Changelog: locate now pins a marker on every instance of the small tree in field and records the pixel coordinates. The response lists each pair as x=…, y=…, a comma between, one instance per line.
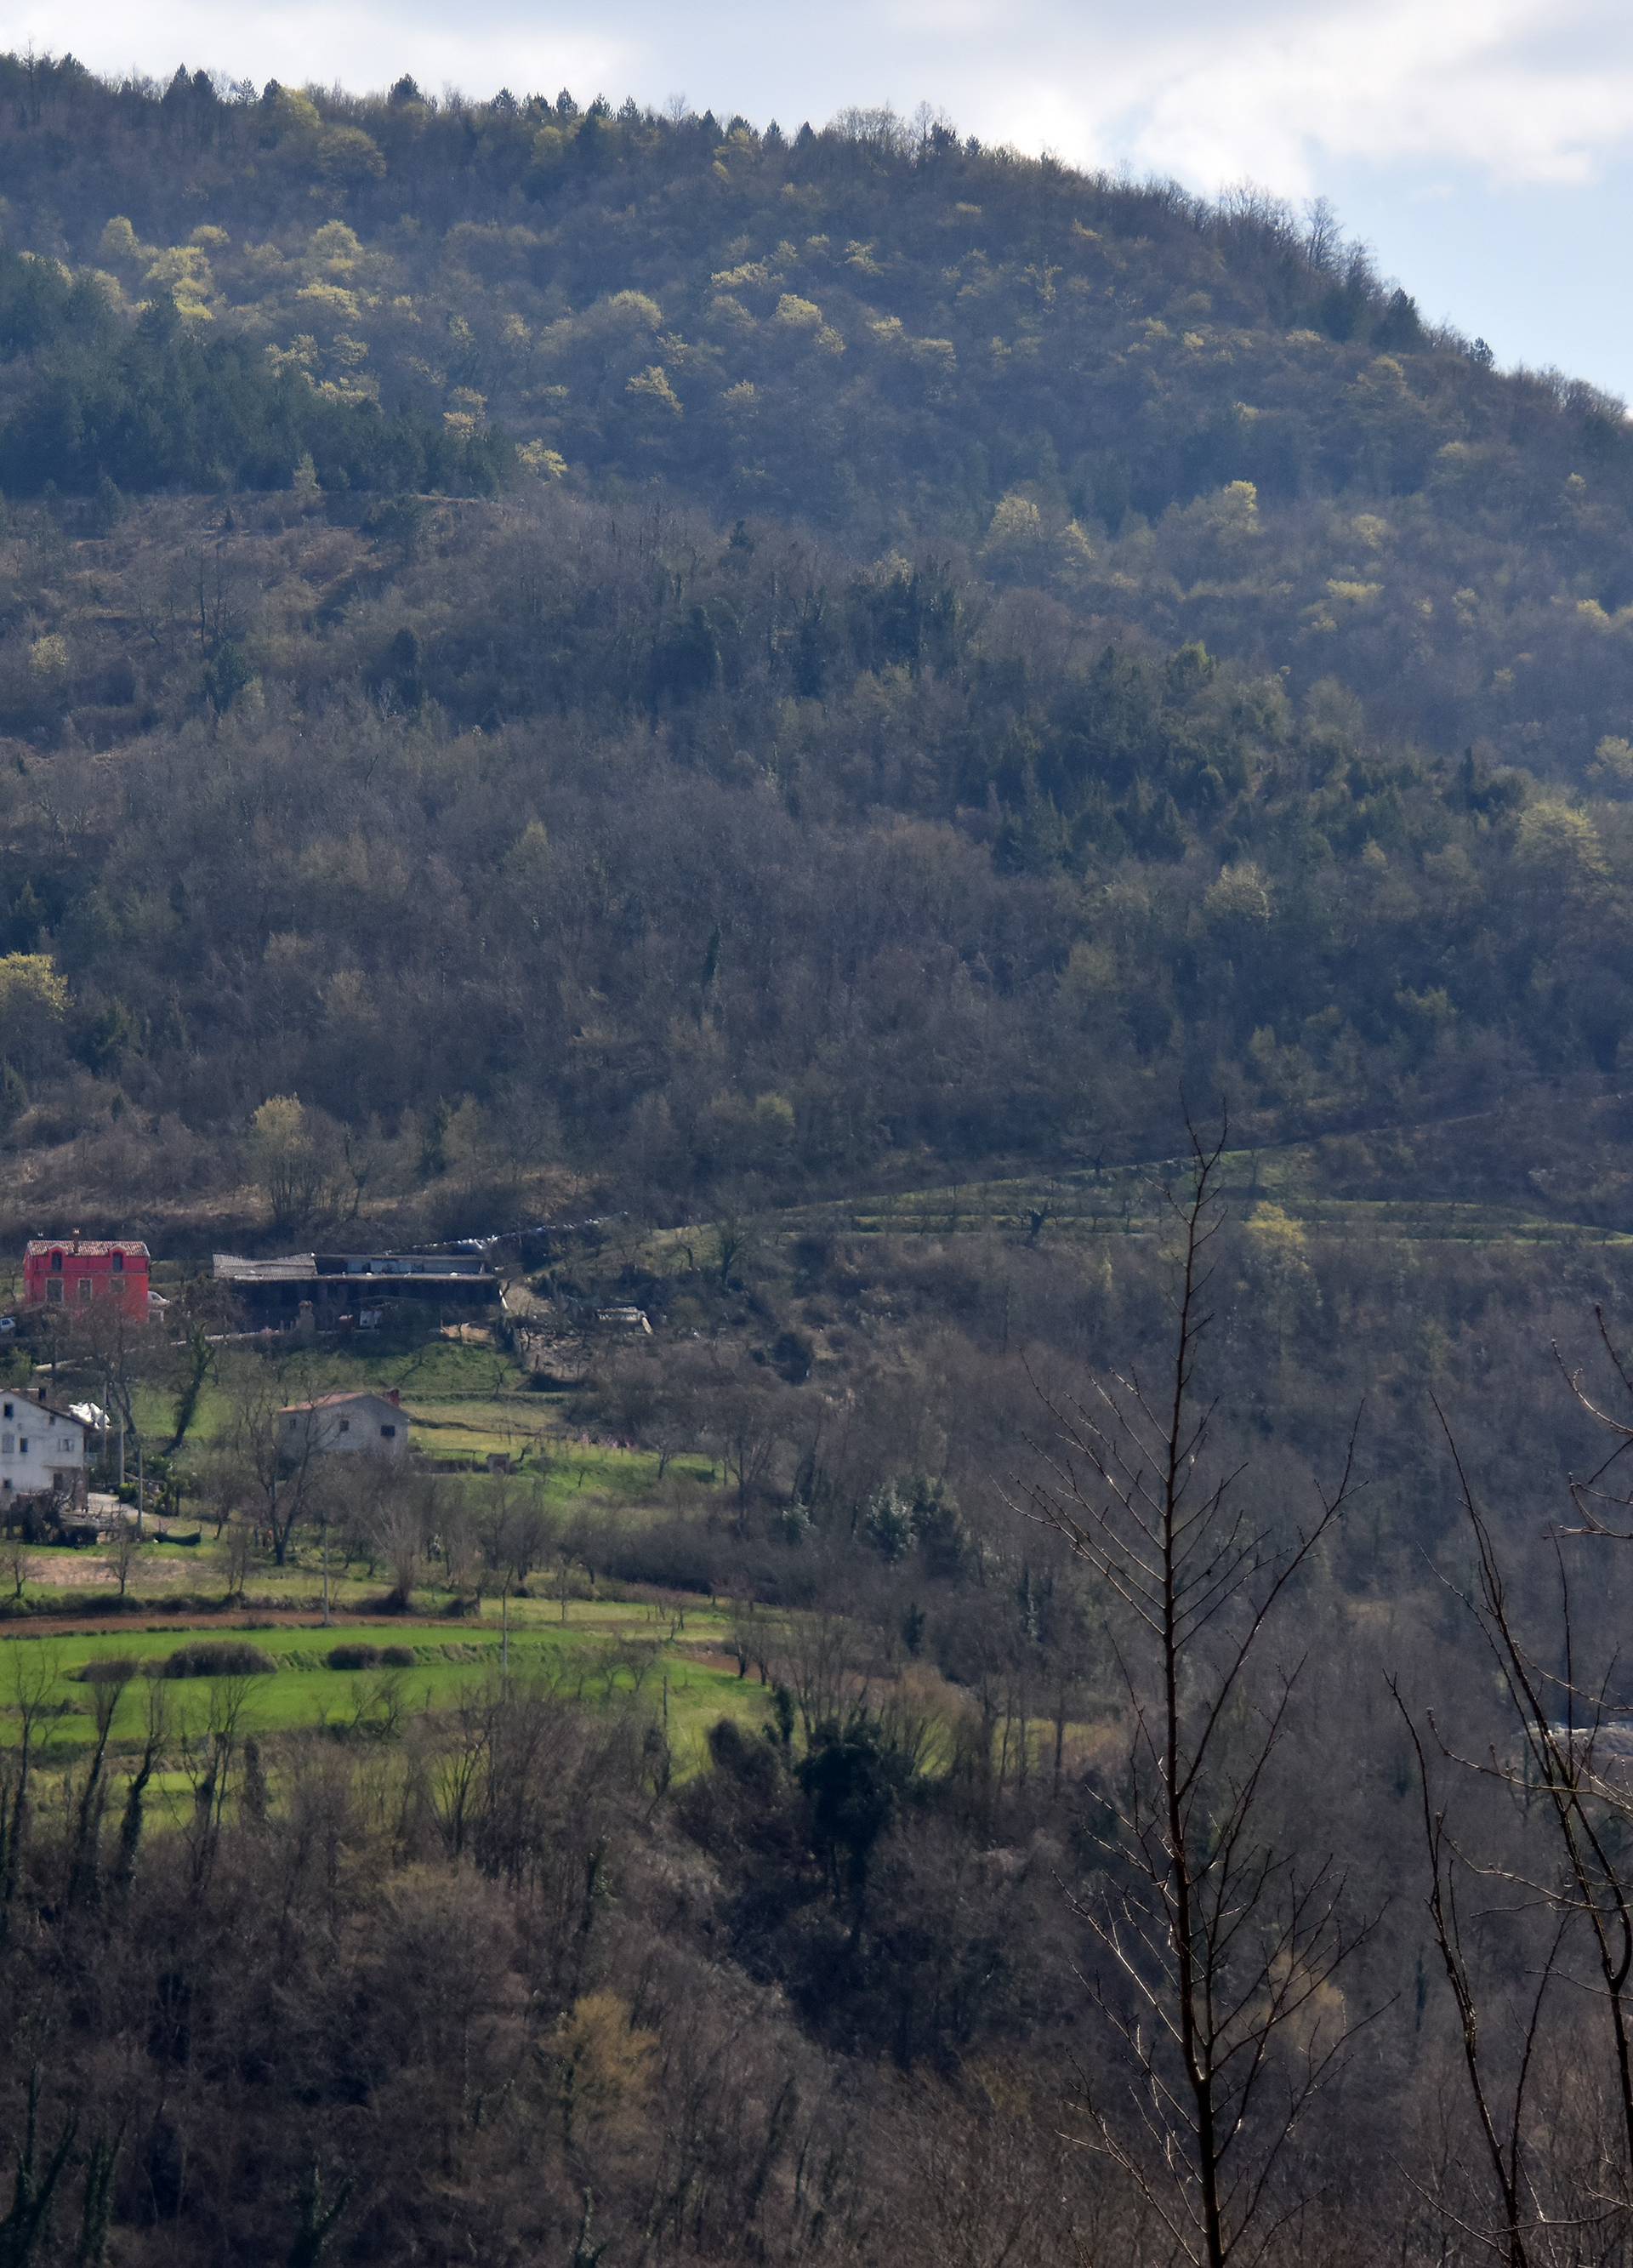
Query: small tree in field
x=275, y=1467
x=237, y=1556
x=16, y=1562
x=124, y=1548
x=402, y=1523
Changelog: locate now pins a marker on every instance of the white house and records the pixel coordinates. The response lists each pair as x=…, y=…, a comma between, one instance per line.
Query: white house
x=350, y=1425
x=43, y=1452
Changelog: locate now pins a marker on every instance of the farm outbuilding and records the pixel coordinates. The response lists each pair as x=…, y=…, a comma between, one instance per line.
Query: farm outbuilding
x=344, y=1425
x=439, y=1287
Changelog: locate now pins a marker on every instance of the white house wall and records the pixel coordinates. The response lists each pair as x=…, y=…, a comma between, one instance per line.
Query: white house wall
x=40, y=1449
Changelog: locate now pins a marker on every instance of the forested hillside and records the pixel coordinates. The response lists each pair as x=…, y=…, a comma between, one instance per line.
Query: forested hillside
x=709, y=652
x=793, y=717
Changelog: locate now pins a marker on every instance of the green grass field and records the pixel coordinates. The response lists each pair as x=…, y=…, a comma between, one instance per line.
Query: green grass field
x=593, y=1659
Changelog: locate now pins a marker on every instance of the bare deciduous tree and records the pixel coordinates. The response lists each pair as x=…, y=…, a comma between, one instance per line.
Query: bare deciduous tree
x=124, y=1548
x=107, y=1679
x=277, y=1463
x=1217, y=1948
x=18, y=1562
x=402, y=1522
x=33, y=1673
x=1561, y=1760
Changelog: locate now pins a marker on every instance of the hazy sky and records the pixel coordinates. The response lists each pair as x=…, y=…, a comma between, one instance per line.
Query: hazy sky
x=1483, y=147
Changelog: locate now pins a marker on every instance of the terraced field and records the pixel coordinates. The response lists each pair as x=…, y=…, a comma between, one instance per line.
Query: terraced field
x=1125, y=1201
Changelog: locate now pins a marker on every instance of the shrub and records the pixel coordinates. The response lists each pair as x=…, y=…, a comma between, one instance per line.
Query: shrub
x=397, y=1657
x=226, y=1658
x=353, y=1656
x=115, y=1670
x=679, y=1554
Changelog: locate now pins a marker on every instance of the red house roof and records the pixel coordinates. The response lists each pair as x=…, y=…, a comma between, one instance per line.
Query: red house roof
x=91, y=1247
x=337, y=1400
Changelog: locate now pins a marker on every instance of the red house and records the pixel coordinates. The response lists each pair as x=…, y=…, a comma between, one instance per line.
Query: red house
x=72, y=1271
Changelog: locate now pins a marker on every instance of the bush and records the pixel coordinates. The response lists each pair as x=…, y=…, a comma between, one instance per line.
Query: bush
x=117, y=1670
x=397, y=1657
x=677, y=1554
x=226, y=1658
x=353, y=1656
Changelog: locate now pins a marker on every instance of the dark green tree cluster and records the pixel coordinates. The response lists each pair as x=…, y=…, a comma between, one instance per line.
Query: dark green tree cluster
x=152, y=405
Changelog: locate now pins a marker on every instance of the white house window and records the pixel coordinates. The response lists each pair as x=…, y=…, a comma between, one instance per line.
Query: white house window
x=345, y=1425
x=22, y=1444
x=8, y=1444
x=389, y=1432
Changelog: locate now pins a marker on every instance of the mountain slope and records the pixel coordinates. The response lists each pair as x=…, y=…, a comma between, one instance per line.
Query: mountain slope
x=895, y=337
x=701, y=655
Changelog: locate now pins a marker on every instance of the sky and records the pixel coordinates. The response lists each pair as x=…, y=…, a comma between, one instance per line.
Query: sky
x=1483, y=148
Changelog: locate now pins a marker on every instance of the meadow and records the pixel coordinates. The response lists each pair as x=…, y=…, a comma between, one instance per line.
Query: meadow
x=321, y=1679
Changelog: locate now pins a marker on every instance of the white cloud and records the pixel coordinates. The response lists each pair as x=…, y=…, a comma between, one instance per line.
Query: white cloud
x=1527, y=90
x=1460, y=82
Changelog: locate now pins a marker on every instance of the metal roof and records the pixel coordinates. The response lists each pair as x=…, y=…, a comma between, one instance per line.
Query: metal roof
x=296, y=1268
x=359, y=1267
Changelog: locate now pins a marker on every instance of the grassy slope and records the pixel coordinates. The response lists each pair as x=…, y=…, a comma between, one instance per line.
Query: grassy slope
x=464, y=1403
x=1081, y=1202
x=595, y=1655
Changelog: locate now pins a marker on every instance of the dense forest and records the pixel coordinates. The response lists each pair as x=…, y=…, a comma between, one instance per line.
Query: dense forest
x=806, y=718
x=794, y=654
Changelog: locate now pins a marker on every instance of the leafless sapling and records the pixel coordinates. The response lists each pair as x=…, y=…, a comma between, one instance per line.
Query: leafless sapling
x=1216, y=1946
